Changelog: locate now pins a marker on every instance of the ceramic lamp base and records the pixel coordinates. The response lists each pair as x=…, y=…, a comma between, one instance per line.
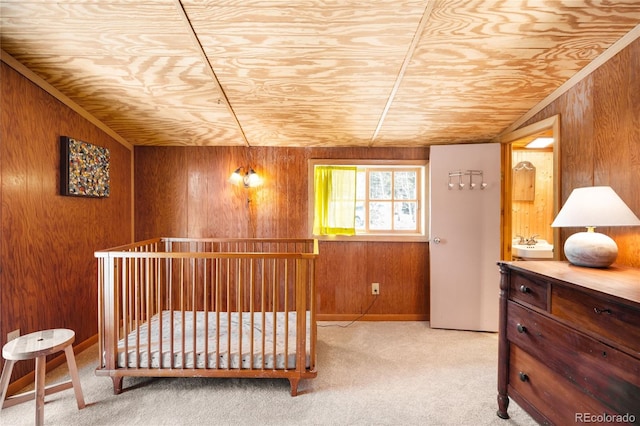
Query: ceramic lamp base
x=591, y=249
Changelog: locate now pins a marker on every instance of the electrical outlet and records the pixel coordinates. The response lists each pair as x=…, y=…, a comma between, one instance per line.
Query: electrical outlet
x=375, y=288
x=13, y=335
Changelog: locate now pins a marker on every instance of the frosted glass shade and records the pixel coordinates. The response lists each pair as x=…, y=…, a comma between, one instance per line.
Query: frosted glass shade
x=250, y=180
x=236, y=177
x=591, y=207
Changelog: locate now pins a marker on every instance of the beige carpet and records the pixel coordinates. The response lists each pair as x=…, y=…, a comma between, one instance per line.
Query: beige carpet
x=369, y=373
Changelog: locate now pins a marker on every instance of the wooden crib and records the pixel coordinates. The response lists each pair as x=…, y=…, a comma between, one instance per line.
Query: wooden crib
x=180, y=307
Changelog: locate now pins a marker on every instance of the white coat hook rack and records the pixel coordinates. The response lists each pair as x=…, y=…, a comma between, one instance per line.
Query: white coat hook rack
x=471, y=173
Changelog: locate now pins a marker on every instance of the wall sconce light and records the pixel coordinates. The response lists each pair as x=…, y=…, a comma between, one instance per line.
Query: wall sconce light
x=249, y=180
x=590, y=207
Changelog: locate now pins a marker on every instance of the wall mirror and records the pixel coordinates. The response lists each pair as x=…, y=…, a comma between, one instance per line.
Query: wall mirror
x=531, y=189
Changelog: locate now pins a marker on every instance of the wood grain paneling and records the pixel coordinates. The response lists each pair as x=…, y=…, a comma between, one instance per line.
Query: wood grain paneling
x=48, y=272
x=601, y=140
x=184, y=191
x=312, y=73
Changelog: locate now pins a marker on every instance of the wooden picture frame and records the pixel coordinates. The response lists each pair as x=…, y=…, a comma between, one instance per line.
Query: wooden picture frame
x=84, y=169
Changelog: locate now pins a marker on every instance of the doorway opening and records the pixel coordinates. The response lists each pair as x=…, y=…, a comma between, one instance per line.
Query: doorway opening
x=530, y=187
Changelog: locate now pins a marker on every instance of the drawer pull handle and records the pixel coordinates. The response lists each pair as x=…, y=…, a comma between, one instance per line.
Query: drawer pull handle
x=521, y=328
x=523, y=377
x=602, y=311
x=525, y=289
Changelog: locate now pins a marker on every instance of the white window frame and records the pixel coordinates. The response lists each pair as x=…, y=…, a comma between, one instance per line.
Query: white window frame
x=399, y=236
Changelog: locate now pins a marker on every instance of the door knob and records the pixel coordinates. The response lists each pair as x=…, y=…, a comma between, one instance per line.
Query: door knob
x=436, y=240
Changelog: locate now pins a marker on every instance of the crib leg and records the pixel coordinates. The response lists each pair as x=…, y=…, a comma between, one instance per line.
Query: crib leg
x=293, y=381
x=117, y=384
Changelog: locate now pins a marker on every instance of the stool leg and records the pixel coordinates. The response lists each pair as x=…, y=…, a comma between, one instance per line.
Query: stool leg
x=41, y=363
x=4, y=380
x=75, y=378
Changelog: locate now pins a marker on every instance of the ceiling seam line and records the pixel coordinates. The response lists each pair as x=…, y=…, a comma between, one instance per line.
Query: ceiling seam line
x=405, y=64
x=216, y=81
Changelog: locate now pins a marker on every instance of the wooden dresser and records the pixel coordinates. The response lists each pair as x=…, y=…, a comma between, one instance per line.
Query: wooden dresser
x=569, y=345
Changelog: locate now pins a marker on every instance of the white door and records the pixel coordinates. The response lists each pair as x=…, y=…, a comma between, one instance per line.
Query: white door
x=465, y=236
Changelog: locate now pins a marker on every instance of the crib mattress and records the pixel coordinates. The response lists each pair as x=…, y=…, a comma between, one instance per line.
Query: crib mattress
x=165, y=351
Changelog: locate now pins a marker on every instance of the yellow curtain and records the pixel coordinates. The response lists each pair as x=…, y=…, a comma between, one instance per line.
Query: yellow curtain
x=335, y=200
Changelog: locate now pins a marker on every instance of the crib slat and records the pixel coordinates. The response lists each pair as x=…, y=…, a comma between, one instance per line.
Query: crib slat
x=148, y=303
x=171, y=289
x=205, y=308
x=286, y=314
x=137, y=297
x=182, y=313
x=274, y=311
x=192, y=302
x=159, y=310
x=217, y=290
x=251, y=313
x=239, y=291
x=230, y=306
x=128, y=305
x=263, y=305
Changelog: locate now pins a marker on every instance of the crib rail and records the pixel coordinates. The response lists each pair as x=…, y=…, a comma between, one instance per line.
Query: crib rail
x=253, y=280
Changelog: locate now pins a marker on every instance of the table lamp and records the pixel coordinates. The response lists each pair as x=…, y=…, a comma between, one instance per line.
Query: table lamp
x=591, y=207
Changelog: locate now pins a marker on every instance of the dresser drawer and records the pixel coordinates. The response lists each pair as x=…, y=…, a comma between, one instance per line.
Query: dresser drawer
x=591, y=365
x=529, y=290
x=606, y=318
x=553, y=396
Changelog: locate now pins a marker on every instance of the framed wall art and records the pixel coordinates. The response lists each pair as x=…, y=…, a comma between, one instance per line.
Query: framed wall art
x=84, y=169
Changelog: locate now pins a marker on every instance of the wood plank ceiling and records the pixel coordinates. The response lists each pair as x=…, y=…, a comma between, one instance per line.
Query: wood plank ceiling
x=310, y=72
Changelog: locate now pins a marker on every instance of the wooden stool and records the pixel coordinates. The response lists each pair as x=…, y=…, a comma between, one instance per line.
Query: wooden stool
x=38, y=345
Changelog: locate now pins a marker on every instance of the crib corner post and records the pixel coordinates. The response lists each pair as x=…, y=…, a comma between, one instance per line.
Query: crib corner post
x=293, y=382
x=117, y=384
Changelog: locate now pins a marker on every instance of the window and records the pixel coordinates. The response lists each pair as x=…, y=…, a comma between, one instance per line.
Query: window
x=390, y=200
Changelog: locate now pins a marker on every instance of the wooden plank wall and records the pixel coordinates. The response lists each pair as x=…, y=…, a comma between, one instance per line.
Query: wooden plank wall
x=47, y=268
x=184, y=192
x=600, y=140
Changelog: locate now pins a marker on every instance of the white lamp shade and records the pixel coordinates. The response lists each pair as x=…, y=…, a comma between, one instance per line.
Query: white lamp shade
x=595, y=206
x=591, y=207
